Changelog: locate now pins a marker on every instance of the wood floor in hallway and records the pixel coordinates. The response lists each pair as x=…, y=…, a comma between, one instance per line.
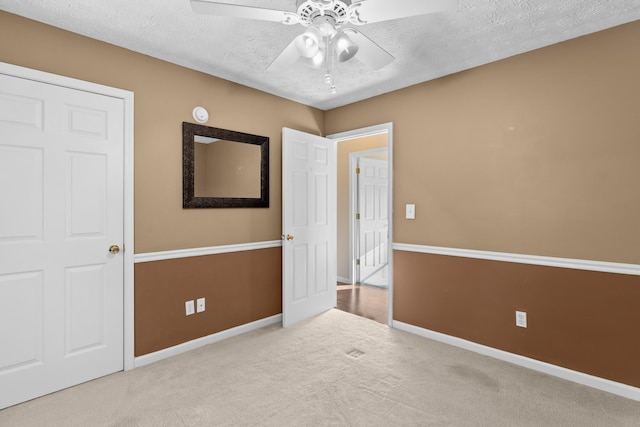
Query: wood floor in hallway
x=366, y=301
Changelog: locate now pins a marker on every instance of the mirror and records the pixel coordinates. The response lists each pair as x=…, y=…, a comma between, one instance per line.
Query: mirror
x=224, y=169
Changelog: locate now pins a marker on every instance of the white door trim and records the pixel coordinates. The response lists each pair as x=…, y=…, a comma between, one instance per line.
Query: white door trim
x=368, y=131
x=127, y=98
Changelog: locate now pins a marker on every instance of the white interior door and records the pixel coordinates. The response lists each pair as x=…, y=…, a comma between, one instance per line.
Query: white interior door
x=61, y=194
x=308, y=225
x=373, y=199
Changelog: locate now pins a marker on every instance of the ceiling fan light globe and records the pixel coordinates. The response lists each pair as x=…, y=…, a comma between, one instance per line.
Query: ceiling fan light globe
x=308, y=43
x=345, y=47
x=318, y=60
x=327, y=27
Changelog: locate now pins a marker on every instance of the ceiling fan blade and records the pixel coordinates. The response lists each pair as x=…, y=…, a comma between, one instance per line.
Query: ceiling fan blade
x=369, y=52
x=368, y=11
x=289, y=55
x=245, y=12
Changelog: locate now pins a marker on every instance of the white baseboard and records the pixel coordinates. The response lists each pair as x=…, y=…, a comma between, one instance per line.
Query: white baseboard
x=344, y=280
x=209, y=339
x=577, y=377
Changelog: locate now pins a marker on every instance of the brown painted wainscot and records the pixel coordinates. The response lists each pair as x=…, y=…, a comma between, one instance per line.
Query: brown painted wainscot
x=586, y=321
x=235, y=295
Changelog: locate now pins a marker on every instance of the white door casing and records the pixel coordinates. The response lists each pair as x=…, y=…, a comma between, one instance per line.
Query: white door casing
x=308, y=225
x=359, y=133
x=61, y=186
x=373, y=224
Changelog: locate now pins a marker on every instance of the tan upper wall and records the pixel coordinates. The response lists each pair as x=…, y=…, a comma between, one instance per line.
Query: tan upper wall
x=165, y=95
x=535, y=154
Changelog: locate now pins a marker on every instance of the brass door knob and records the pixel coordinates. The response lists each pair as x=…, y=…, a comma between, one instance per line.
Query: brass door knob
x=290, y=237
x=114, y=249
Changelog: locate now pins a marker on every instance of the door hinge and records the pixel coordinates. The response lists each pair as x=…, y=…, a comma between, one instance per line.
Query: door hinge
x=357, y=170
x=357, y=262
x=357, y=216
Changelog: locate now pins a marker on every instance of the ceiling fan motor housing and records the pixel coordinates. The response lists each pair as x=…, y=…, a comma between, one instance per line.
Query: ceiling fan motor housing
x=310, y=10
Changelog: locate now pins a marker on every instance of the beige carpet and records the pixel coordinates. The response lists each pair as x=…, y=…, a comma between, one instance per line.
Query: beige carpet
x=336, y=369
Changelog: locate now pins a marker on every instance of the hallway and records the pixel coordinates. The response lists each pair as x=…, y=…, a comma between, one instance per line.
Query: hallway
x=366, y=301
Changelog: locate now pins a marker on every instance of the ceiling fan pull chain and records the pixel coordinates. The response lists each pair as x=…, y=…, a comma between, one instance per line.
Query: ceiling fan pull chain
x=329, y=62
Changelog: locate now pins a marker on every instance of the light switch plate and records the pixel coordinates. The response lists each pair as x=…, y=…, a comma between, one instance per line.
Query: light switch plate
x=200, y=305
x=411, y=211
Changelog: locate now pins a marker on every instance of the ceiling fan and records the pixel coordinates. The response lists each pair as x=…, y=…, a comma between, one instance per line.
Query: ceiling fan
x=329, y=37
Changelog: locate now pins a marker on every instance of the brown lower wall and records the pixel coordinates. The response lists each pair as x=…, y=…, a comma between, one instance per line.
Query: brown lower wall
x=581, y=320
x=239, y=287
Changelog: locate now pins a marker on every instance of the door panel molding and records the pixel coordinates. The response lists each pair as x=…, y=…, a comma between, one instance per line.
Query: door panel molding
x=127, y=98
x=309, y=224
x=371, y=229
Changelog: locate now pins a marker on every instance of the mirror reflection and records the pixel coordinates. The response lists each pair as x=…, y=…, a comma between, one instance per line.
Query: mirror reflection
x=224, y=168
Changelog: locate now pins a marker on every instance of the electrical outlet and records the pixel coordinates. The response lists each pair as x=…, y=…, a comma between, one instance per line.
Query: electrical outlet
x=189, y=308
x=521, y=319
x=200, y=305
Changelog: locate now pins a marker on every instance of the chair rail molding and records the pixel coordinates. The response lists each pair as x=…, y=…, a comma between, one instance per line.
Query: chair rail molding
x=210, y=250
x=578, y=264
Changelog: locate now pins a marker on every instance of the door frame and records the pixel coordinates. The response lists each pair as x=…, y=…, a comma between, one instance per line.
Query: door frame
x=128, y=214
x=368, y=131
x=354, y=227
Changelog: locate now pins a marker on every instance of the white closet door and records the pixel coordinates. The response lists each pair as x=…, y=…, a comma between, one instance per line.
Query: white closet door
x=61, y=195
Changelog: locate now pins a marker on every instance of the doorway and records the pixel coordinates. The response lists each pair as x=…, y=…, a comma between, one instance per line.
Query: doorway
x=365, y=293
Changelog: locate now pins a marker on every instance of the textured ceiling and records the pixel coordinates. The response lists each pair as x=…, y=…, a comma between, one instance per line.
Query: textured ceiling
x=425, y=47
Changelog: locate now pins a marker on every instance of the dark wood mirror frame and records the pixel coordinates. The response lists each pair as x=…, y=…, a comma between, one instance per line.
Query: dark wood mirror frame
x=189, y=132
